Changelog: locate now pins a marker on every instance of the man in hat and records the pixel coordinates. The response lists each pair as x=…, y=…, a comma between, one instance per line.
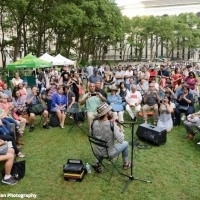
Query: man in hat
x=92, y=100
x=101, y=129
x=95, y=78
x=133, y=99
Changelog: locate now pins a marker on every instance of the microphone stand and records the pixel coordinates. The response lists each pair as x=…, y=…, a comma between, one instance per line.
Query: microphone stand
x=131, y=177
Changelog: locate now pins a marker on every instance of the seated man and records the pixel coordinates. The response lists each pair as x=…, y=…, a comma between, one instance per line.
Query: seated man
x=8, y=159
x=133, y=99
x=92, y=100
x=31, y=100
x=151, y=99
x=101, y=129
x=70, y=97
x=193, y=120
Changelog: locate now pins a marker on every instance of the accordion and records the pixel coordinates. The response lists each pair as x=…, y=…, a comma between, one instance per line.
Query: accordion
x=74, y=170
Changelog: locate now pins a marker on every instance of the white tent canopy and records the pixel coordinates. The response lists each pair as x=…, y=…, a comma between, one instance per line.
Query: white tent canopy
x=66, y=60
x=53, y=60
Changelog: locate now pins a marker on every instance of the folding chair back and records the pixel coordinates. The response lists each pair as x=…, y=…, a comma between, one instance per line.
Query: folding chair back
x=103, y=144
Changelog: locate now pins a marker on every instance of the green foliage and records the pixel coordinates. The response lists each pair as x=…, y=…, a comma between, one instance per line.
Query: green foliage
x=84, y=27
x=82, y=63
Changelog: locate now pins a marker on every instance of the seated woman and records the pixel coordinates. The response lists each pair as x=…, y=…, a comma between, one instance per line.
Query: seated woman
x=7, y=91
x=8, y=159
x=16, y=80
x=51, y=88
x=165, y=118
x=116, y=102
x=59, y=102
x=19, y=104
x=193, y=120
x=14, y=146
x=123, y=92
x=22, y=90
x=185, y=104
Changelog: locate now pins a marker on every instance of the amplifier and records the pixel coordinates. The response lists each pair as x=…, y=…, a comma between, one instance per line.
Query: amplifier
x=74, y=170
x=154, y=134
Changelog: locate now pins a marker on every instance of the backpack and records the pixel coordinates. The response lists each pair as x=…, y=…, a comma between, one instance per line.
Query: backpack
x=111, y=126
x=54, y=121
x=79, y=117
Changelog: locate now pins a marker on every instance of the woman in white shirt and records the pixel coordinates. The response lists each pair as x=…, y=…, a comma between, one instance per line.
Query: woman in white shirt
x=16, y=80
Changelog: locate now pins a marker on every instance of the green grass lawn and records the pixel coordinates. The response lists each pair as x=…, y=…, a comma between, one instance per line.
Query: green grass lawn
x=173, y=168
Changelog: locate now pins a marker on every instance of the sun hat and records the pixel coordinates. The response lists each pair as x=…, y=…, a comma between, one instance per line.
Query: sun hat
x=113, y=87
x=102, y=109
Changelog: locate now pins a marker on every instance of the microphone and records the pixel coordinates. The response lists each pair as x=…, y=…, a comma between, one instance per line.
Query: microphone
x=117, y=121
x=122, y=123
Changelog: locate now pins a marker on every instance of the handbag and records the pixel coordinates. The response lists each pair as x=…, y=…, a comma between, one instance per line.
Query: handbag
x=37, y=109
x=15, y=115
x=183, y=107
x=4, y=148
x=117, y=107
x=18, y=170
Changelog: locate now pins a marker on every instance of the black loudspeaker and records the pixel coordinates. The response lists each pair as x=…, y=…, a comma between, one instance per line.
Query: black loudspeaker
x=154, y=134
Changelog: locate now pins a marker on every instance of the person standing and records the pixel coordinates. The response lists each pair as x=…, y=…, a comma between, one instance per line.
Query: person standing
x=95, y=78
x=128, y=74
x=119, y=75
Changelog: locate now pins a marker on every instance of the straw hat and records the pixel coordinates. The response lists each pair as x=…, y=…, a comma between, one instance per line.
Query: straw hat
x=103, y=109
x=113, y=87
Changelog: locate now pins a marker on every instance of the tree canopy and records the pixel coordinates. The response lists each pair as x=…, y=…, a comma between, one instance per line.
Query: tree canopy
x=81, y=29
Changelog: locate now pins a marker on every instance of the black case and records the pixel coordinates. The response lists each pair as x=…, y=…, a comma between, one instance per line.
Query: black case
x=151, y=133
x=74, y=170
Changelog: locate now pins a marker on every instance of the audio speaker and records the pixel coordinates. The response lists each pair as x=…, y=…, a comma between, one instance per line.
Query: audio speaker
x=154, y=134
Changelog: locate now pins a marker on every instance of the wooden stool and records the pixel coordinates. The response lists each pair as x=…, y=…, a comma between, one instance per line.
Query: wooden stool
x=149, y=113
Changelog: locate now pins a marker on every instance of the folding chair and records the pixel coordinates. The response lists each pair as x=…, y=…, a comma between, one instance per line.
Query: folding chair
x=197, y=131
x=103, y=144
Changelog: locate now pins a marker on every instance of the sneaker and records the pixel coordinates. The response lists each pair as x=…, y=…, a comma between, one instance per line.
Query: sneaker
x=31, y=129
x=46, y=126
x=10, y=181
x=198, y=142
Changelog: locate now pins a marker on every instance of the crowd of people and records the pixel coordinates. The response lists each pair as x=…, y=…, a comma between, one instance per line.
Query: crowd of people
x=170, y=95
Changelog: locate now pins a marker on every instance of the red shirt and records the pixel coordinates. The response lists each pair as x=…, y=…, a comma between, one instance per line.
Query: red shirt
x=175, y=77
x=153, y=74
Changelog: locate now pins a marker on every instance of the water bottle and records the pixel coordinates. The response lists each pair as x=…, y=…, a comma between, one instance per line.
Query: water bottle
x=88, y=168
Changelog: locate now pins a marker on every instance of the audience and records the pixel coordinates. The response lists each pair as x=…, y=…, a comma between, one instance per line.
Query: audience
x=32, y=100
x=185, y=104
x=58, y=105
x=115, y=101
x=92, y=100
x=151, y=99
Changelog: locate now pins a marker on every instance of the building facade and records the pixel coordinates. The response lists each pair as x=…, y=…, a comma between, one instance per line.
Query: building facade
x=156, y=8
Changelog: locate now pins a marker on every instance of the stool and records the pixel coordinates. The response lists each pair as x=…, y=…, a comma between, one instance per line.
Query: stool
x=149, y=113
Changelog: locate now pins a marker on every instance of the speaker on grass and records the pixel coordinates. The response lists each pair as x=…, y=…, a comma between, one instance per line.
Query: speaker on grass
x=153, y=134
